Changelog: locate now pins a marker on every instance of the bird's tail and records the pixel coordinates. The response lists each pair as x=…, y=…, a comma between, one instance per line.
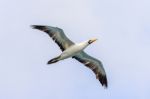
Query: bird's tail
x=54, y=60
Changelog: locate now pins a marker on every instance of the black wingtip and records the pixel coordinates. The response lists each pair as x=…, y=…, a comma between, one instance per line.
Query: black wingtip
x=33, y=26
x=103, y=80
x=37, y=27
x=40, y=27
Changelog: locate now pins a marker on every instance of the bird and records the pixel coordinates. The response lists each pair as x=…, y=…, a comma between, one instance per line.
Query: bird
x=75, y=50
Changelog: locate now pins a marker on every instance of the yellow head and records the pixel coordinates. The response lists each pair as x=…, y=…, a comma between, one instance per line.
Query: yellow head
x=92, y=40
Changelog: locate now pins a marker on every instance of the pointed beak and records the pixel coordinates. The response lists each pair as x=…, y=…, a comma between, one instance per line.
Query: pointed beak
x=93, y=40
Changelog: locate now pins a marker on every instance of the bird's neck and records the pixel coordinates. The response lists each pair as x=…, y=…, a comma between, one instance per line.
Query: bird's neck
x=84, y=44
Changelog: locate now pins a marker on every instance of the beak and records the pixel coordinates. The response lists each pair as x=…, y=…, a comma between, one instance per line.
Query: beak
x=93, y=40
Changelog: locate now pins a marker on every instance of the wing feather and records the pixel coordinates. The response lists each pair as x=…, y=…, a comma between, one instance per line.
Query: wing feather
x=57, y=35
x=94, y=64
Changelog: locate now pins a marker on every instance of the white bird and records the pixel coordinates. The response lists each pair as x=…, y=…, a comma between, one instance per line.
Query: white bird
x=70, y=49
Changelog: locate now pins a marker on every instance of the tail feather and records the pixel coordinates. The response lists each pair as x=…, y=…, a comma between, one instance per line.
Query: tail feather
x=54, y=60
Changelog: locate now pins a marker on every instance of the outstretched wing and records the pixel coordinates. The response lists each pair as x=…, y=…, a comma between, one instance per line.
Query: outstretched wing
x=57, y=35
x=94, y=64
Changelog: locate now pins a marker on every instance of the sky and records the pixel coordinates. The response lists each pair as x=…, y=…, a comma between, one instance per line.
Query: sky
x=123, y=46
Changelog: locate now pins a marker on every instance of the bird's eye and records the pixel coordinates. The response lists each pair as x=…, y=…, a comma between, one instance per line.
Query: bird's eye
x=90, y=41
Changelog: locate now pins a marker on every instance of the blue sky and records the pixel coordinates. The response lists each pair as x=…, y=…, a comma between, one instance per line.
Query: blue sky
x=122, y=27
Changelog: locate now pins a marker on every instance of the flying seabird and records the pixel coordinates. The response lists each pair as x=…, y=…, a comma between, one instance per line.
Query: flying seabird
x=74, y=50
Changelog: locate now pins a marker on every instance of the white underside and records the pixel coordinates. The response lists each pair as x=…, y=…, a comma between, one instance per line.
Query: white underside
x=73, y=50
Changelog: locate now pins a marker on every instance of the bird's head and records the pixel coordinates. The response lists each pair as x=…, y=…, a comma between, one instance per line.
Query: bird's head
x=92, y=40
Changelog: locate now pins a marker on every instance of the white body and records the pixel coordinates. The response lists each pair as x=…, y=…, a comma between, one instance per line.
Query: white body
x=73, y=50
